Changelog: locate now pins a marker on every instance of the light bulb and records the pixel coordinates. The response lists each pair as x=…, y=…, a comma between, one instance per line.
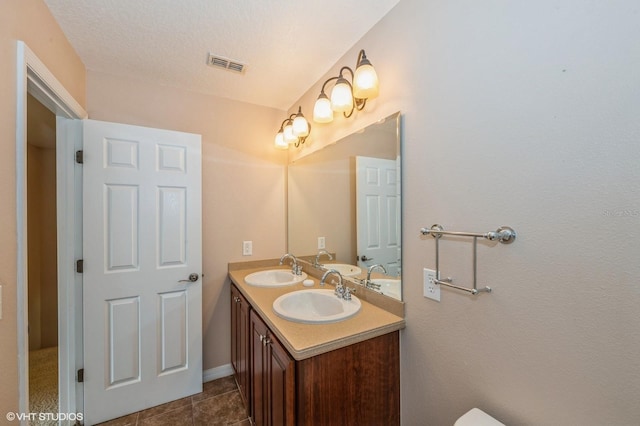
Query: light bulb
x=300, y=126
x=279, y=142
x=365, y=82
x=341, y=96
x=322, y=112
x=289, y=137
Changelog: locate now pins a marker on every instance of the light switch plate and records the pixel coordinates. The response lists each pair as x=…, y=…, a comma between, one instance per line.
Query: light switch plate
x=431, y=289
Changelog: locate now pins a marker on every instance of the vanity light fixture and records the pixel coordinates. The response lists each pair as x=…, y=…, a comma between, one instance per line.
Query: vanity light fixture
x=347, y=96
x=293, y=130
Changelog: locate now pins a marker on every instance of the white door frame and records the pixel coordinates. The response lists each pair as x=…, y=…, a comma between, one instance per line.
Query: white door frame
x=35, y=78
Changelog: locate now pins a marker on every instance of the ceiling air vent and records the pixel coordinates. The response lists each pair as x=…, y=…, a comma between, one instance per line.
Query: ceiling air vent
x=224, y=63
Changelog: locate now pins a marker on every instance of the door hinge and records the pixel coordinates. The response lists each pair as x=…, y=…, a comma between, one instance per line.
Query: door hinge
x=81, y=375
x=80, y=266
x=80, y=157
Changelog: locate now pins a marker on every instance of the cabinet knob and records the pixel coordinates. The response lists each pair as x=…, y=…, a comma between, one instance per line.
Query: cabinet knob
x=236, y=299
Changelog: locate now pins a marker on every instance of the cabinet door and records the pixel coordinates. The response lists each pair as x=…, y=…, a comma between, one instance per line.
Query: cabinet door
x=235, y=328
x=240, y=342
x=259, y=371
x=273, y=378
x=281, y=383
x=244, y=363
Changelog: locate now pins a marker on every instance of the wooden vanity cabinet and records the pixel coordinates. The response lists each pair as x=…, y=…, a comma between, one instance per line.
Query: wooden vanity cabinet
x=355, y=385
x=240, y=353
x=273, y=378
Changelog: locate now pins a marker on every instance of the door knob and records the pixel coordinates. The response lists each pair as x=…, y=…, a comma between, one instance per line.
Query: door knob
x=192, y=278
x=365, y=258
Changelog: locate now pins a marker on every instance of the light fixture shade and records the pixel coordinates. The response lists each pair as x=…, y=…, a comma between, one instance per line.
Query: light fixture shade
x=341, y=96
x=300, y=126
x=279, y=142
x=289, y=137
x=365, y=82
x=322, y=112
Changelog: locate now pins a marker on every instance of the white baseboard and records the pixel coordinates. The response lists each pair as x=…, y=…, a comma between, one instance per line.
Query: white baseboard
x=217, y=373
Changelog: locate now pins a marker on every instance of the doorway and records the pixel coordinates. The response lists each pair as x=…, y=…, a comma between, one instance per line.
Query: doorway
x=35, y=79
x=42, y=252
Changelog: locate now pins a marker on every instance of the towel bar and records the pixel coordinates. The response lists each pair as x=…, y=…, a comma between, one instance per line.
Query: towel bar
x=504, y=234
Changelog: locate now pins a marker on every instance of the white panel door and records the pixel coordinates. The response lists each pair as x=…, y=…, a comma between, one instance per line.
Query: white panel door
x=142, y=240
x=378, y=213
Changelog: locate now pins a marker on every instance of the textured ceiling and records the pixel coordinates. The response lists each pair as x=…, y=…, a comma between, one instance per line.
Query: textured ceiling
x=287, y=45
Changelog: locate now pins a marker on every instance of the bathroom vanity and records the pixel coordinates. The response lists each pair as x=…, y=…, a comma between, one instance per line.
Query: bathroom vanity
x=291, y=373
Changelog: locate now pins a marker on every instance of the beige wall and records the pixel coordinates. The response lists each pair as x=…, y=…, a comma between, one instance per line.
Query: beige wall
x=30, y=21
x=243, y=180
x=522, y=114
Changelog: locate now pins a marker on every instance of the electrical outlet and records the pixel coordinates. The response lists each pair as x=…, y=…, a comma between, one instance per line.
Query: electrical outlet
x=247, y=248
x=321, y=243
x=431, y=289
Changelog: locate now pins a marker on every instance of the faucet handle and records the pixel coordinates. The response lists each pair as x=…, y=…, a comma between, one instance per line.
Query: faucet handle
x=347, y=293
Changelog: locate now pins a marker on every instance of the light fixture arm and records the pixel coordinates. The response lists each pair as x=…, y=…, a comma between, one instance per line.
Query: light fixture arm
x=285, y=121
x=362, y=59
x=325, y=84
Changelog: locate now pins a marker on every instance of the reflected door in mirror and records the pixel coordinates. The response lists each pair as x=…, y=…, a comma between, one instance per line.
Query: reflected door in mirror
x=378, y=211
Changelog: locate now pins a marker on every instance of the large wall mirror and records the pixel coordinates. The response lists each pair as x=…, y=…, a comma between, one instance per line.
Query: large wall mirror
x=347, y=197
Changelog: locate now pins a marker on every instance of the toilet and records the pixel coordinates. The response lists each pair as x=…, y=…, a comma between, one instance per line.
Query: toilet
x=477, y=417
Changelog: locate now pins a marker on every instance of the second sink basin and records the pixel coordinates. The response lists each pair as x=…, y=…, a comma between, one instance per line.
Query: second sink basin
x=274, y=278
x=389, y=287
x=345, y=269
x=315, y=306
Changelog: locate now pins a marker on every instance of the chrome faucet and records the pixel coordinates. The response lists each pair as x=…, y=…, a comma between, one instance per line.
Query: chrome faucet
x=341, y=291
x=339, y=287
x=368, y=282
x=317, y=264
x=295, y=268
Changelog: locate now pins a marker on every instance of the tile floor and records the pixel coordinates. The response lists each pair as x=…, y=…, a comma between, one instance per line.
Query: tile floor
x=218, y=404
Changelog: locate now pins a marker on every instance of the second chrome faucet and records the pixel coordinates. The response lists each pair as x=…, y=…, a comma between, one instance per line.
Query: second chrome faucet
x=368, y=282
x=317, y=264
x=295, y=268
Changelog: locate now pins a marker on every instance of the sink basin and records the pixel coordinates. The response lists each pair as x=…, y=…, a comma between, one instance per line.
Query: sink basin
x=345, y=269
x=274, y=278
x=389, y=287
x=315, y=306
